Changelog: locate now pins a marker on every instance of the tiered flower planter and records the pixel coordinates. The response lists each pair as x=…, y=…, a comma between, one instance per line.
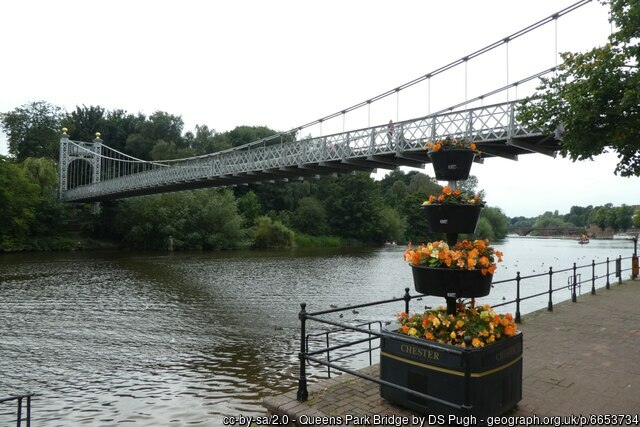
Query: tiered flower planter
x=483, y=381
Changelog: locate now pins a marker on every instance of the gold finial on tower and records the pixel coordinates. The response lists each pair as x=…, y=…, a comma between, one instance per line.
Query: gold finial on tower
x=64, y=131
x=97, y=134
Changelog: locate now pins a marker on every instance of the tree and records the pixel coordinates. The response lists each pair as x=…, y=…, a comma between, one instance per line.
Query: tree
x=423, y=184
x=623, y=217
x=392, y=225
x=249, y=207
x=636, y=219
x=595, y=97
x=84, y=122
x=310, y=217
x=160, y=126
x=578, y=215
x=33, y=130
x=19, y=199
x=353, y=206
x=272, y=234
x=44, y=172
x=204, y=219
x=497, y=220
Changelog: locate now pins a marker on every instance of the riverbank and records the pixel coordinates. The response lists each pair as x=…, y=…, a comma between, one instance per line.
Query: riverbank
x=580, y=359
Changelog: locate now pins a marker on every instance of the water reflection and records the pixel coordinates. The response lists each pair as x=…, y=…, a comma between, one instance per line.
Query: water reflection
x=157, y=339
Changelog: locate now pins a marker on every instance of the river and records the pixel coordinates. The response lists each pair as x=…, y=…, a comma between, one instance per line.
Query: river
x=152, y=339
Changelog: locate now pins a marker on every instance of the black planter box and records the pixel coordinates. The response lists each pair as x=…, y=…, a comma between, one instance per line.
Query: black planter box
x=452, y=218
x=485, y=381
x=451, y=283
x=452, y=165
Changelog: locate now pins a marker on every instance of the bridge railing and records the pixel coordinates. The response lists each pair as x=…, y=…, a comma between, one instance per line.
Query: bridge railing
x=483, y=125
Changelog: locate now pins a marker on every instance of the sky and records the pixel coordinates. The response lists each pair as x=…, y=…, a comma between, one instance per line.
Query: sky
x=285, y=63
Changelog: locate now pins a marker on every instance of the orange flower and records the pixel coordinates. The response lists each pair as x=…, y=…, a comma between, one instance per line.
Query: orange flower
x=437, y=147
x=416, y=258
x=484, y=261
x=477, y=343
x=509, y=330
x=472, y=146
x=446, y=190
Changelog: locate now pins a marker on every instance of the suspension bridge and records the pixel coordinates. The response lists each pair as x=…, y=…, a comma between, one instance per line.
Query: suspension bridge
x=93, y=172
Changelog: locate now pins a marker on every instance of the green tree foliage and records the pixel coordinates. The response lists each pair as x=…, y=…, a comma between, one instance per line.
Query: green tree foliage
x=30, y=215
x=551, y=220
x=636, y=219
x=204, y=141
x=417, y=230
x=272, y=234
x=19, y=197
x=310, y=217
x=83, y=123
x=579, y=216
x=160, y=126
x=44, y=172
x=249, y=207
x=493, y=224
x=392, y=225
x=353, y=205
x=204, y=219
x=596, y=96
x=33, y=130
x=484, y=230
x=118, y=126
x=423, y=184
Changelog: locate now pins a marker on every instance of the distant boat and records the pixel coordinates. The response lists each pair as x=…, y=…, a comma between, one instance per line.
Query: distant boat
x=583, y=240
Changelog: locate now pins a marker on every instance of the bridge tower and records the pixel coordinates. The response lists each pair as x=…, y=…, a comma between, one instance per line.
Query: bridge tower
x=79, y=161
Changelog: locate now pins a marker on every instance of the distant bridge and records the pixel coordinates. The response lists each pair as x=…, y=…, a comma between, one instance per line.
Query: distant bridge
x=548, y=231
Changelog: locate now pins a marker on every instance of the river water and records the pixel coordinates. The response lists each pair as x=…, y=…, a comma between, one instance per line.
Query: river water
x=154, y=339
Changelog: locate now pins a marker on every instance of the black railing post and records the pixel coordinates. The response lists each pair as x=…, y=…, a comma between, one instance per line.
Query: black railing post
x=303, y=394
x=608, y=285
x=619, y=267
x=550, y=305
x=29, y=409
x=518, y=297
x=19, y=414
x=407, y=298
x=574, y=297
x=593, y=277
x=634, y=259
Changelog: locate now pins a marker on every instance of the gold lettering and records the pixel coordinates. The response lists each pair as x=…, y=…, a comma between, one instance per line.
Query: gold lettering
x=420, y=352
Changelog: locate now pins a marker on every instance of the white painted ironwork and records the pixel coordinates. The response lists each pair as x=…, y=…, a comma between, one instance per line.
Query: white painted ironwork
x=490, y=127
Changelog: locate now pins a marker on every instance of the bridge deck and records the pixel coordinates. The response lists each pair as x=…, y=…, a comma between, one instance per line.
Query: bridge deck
x=493, y=128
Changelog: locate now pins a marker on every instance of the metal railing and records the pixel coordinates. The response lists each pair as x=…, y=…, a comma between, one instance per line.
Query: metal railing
x=19, y=416
x=306, y=355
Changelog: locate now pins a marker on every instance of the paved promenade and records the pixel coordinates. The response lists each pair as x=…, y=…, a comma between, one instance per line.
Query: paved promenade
x=582, y=358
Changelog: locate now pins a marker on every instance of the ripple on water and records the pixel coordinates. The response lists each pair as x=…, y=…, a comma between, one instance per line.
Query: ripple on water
x=111, y=339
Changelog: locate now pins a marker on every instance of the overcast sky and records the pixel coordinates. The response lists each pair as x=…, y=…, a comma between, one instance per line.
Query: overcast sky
x=282, y=64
